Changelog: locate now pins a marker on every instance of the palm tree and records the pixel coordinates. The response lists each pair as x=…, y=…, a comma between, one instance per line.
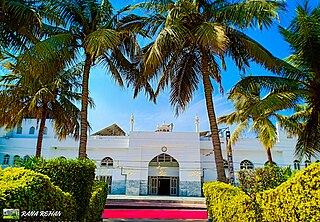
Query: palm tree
x=20, y=23
x=194, y=38
x=94, y=33
x=252, y=108
x=42, y=98
x=303, y=37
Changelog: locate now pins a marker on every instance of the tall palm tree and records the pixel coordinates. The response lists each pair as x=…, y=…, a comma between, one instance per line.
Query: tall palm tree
x=42, y=98
x=253, y=108
x=94, y=32
x=303, y=37
x=195, y=37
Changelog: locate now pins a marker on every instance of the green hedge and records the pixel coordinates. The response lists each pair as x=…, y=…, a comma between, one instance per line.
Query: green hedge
x=261, y=179
x=97, y=201
x=73, y=176
x=30, y=191
x=297, y=199
x=228, y=203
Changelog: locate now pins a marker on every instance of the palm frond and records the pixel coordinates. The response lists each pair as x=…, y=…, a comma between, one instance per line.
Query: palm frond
x=276, y=101
x=308, y=143
x=113, y=70
x=291, y=125
x=244, y=49
x=209, y=34
x=268, y=83
x=267, y=132
x=159, y=51
x=100, y=41
x=302, y=35
x=230, y=119
x=168, y=73
x=237, y=132
x=185, y=82
x=20, y=24
x=49, y=55
x=244, y=14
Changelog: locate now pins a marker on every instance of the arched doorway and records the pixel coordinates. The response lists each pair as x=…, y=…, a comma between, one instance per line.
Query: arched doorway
x=163, y=175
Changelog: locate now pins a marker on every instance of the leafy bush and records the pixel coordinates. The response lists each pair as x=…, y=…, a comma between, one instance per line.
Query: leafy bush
x=295, y=200
x=97, y=201
x=260, y=179
x=73, y=176
x=30, y=191
x=228, y=203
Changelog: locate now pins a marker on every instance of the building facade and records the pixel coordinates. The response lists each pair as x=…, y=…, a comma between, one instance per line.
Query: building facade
x=163, y=162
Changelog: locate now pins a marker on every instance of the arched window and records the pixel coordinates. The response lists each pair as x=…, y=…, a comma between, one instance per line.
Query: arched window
x=225, y=164
x=307, y=163
x=31, y=130
x=296, y=165
x=6, y=159
x=164, y=160
x=45, y=131
x=15, y=159
x=26, y=158
x=267, y=163
x=246, y=164
x=19, y=130
x=107, y=161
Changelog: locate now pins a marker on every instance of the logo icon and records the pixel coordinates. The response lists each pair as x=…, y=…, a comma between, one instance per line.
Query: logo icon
x=11, y=214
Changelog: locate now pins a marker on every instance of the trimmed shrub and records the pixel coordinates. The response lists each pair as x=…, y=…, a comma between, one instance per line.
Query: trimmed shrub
x=260, y=179
x=228, y=203
x=31, y=191
x=73, y=176
x=97, y=201
x=295, y=200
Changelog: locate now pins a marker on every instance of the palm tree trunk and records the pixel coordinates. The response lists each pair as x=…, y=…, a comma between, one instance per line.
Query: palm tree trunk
x=208, y=90
x=84, y=108
x=269, y=156
x=41, y=129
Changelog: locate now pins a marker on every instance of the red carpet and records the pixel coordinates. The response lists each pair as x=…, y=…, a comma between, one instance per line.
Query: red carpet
x=155, y=214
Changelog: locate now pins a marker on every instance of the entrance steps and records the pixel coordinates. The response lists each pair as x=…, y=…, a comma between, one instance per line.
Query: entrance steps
x=155, y=202
x=154, y=208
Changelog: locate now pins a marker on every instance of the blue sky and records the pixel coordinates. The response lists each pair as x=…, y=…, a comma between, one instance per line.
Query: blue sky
x=115, y=105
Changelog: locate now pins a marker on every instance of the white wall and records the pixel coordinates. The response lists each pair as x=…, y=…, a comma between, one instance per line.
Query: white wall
x=26, y=125
x=184, y=147
x=132, y=154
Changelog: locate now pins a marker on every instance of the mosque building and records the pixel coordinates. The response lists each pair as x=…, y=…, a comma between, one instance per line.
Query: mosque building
x=162, y=162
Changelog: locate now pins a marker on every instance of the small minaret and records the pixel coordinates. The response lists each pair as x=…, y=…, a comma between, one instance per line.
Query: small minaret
x=197, y=123
x=131, y=122
x=171, y=127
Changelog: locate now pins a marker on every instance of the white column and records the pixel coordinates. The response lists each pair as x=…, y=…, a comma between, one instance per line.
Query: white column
x=197, y=123
x=131, y=122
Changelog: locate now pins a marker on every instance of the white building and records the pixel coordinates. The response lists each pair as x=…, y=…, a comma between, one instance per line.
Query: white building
x=163, y=162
